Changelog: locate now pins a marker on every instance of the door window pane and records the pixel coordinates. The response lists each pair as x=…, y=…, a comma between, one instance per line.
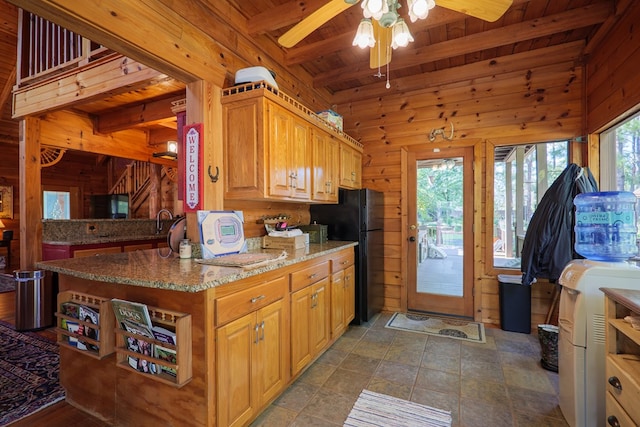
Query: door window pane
x=56, y=205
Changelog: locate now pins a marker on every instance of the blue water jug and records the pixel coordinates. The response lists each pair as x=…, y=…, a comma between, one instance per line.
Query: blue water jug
x=605, y=227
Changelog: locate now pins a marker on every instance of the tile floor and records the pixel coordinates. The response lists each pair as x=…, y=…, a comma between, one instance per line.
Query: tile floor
x=500, y=383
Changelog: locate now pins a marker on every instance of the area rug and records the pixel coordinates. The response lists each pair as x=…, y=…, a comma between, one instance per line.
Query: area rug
x=29, y=367
x=379, y=410
x=432, y=325
x=7, y=283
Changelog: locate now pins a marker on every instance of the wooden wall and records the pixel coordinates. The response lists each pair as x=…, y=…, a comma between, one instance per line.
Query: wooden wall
x=516, y=99
x=612, y=83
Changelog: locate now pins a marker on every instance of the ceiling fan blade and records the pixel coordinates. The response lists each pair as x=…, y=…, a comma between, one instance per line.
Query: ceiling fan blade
x=380, y=54
x=487, y=10
x=312, y=22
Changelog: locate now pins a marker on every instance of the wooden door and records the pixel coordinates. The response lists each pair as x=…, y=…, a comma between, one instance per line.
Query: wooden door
x=337, y=303
x=300, y=152
x=300, y=327
x=235, y=360
x=349, y=294
x=320, y=315
x=271, y=373
x=279, y=155
x=440, y=265
x=326, y=161
x=346, y=169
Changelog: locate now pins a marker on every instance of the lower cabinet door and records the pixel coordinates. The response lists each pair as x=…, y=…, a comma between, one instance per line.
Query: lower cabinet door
x=349, y=295
x=272, y=370
x=236, y=388
x=251, y=363
x=301, y=302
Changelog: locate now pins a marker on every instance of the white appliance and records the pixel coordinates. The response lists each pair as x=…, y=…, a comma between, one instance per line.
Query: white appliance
x=581, y=339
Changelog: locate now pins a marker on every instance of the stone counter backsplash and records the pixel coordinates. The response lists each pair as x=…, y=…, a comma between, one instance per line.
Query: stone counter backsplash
x=54, y=230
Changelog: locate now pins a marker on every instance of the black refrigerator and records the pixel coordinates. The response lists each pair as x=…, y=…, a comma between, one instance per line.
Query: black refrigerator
x=358, y=216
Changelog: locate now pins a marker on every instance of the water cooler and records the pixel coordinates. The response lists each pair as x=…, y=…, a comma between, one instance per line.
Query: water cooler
x=581, y=338
x=605, y=232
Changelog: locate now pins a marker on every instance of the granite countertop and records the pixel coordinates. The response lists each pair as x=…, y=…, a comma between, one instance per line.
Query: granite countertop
x=162, y=269
x=90, y=240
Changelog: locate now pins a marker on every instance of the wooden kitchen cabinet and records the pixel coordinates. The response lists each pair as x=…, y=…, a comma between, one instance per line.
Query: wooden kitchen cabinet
x=52, y=251
x=251, y=363
x=350, y=167
x=289, y=159
x=268, y=143
x=251, y=347
x=326, y=162
x=310, y=323
x=623, y=358
x=342, y=292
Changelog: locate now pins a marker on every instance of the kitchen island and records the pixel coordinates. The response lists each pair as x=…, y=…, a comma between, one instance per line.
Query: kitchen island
x=251, y=331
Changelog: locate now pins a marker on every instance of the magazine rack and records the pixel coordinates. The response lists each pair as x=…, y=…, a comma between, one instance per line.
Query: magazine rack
x=181, y=323
x=105, y=326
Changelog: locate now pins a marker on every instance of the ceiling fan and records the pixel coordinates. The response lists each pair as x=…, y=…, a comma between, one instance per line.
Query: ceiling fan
x=380, y=53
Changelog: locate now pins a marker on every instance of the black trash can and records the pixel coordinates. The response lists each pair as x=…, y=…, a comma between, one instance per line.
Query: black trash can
x=34, y=300
x=515, y=304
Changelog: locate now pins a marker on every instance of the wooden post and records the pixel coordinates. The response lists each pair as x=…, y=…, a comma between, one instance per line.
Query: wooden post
x=203, y=106
x=30, y=193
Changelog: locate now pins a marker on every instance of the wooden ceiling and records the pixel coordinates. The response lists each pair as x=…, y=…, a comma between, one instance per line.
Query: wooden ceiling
x=445, y=39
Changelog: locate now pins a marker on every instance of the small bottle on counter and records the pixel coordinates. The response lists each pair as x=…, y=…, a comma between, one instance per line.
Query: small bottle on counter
x=185, y=249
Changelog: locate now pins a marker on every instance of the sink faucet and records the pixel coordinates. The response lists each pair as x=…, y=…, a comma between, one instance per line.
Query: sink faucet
x=158, y=223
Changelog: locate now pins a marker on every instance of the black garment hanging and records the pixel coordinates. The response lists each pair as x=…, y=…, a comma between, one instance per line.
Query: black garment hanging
x=548, y=243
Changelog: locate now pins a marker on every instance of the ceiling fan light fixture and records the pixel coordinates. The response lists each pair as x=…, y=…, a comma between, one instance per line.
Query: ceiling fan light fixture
x=400, y=34
x=374, y=8
x=419, y=9
x=388, y=19
x=364, y=36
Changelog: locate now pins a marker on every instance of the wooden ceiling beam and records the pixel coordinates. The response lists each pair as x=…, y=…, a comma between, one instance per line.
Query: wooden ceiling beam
x=565, y=21
x=156, y=111
x=465, y=73
x=282, y=16
x=149, y=31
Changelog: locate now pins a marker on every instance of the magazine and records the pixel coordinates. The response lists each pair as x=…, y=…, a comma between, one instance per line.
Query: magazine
x=163, y=334
x=89, y=315
x=139, y=346
x=168, y=355
x=71, y=326
x=132, y=311
x=69, y=309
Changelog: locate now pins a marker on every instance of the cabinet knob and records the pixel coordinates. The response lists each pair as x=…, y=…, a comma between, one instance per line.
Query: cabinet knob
x=613, y=421
x=615, y=383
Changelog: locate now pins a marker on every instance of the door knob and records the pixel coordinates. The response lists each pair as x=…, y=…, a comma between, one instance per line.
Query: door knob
x=412, y=239
x=413, y=226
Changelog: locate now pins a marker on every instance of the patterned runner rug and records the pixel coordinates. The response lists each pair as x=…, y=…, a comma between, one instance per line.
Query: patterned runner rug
x=29, y=367
x=379, y=410
x=7, y=283
x=451, y=327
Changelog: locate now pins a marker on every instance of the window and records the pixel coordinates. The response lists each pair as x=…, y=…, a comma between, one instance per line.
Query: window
x=522, y=174
x=56, y=205
x=620, y=157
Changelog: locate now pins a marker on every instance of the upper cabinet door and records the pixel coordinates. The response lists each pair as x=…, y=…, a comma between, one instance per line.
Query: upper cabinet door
x=326, y=163
x=279, y=154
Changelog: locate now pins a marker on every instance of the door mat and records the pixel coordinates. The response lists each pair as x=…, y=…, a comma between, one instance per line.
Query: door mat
x=443, y=326
x=7, y=283
x=375, y=410
x=29, y=369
